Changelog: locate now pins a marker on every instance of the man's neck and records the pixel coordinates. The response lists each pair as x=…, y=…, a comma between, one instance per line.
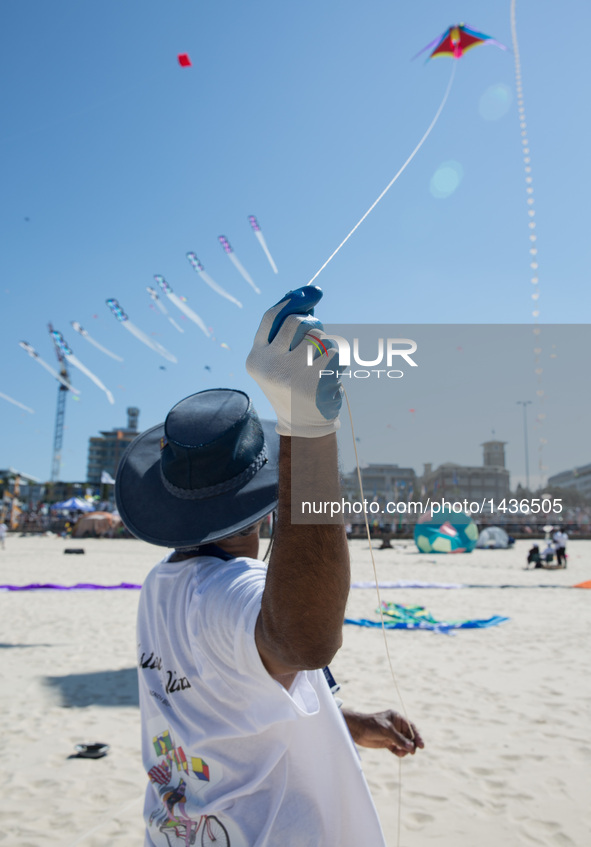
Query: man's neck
x=236, y=546
x=241, y=545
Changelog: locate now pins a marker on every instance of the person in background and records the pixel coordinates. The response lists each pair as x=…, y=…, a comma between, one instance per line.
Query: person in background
x=548, y=552
x=533, y=557
x=560, y=540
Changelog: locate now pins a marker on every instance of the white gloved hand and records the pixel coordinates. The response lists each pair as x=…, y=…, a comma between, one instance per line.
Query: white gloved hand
x=306, y=397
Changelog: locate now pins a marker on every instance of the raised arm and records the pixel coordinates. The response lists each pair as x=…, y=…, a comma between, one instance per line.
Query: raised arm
x=303, y=606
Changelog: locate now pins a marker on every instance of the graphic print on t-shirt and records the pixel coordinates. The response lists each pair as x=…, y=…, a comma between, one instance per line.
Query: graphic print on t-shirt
x=174, y=776
x=171, y=680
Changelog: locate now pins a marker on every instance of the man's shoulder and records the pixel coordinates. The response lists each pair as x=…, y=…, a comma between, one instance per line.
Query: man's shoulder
x=211, y=570
x=204, y=574
x=227, y=587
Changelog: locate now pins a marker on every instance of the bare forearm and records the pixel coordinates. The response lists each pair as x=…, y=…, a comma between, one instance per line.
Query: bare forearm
x=308, y=579
x=384, y=729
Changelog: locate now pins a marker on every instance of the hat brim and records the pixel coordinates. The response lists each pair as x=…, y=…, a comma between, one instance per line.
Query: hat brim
x=153, y=514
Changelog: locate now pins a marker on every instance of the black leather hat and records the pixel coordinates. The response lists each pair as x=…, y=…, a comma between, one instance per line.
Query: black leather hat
x=208, y=472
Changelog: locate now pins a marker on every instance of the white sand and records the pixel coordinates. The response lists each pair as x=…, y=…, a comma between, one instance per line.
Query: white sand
x=504, y=711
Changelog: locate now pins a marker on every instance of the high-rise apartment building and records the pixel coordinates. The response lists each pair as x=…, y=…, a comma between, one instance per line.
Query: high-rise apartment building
x=104, y=452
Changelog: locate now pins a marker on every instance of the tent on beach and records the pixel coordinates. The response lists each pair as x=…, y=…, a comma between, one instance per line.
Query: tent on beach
x=96, y=525
x=493, y=538
x=74, y=504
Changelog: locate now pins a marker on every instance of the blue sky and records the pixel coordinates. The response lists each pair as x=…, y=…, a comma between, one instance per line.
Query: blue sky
x=116, y=161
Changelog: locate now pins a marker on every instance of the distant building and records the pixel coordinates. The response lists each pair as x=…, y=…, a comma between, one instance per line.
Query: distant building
x=58, y=491
x=30, y=492
x=19, y=485
x=493, y=454
x=459, y=482
x=105, y=452
x=577, y=478
x=381, y=483
x=384, y=483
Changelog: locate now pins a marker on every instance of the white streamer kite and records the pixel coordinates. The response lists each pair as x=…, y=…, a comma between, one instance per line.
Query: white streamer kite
x=261, y=239
x=197, y=266
x=34, y=355
x=62, y=346
x=162, y=308
x=135, y=330
x=180, y=304
x=81, y=331
x=236, y=262
x=16, y=403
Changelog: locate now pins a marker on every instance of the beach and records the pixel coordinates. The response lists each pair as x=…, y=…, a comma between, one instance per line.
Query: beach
x=504, y=711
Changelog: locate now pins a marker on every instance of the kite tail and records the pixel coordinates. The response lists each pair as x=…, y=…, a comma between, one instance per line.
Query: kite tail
x=395, y=177
x=533, y=238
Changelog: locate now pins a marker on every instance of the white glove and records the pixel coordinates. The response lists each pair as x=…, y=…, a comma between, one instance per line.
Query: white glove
x=306, y=397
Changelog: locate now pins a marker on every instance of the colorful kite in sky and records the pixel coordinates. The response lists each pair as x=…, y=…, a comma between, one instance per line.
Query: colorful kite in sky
x=457, y=40
x=197, y=266
x=16, y=403
x=180, y=304
x=135, y=330
x=261, y=239
x=34, y=355
x=60, y=343
x=235, y=261
x=184, y=60
x=80, y=329
x=162, y=308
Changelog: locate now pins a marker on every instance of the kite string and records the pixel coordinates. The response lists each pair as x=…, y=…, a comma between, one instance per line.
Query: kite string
x=395, y=177
x=374, y=564
x=317, y=274
x=375, y=573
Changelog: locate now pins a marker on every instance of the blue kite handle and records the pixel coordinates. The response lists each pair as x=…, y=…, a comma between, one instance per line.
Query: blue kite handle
x=299, y=302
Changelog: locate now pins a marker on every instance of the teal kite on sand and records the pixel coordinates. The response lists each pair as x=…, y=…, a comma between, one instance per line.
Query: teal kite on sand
x=401, y=616
x=445, y=531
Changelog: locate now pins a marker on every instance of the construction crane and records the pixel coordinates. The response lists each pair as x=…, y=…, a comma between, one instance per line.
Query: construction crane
x=60, y=416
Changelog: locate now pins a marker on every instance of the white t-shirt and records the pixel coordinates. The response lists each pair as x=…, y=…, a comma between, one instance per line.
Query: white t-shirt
x=233, y=757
